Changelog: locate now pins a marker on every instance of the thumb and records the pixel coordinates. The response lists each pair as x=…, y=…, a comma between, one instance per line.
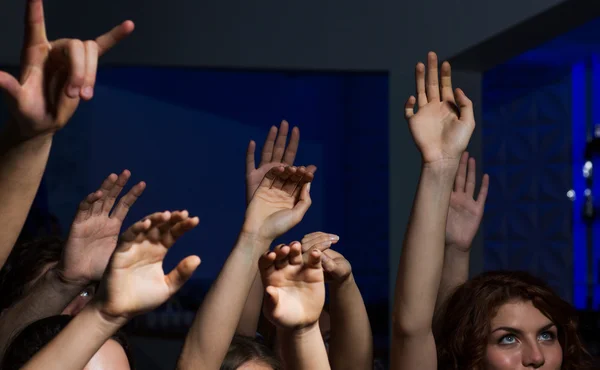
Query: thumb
x=182, y=273
x=303, y=204
x=327, y=263
x=273, y=295
x=10, y=85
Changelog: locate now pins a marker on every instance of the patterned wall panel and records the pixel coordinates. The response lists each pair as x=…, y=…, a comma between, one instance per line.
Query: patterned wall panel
x=527, y=152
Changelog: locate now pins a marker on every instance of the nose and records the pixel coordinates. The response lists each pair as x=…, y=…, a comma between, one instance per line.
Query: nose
x=533, y=357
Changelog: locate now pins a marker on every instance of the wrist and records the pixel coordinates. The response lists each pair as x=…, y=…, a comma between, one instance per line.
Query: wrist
x=59, y=275
x=254, y=238
x=104, y=323
x=303, y=331
x=443, y=167
x=13, y=134
x=343, y=283
x=458, y=250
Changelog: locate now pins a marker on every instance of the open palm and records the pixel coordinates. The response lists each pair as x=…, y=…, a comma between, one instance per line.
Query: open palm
x=135, y=282
x=465, y=212
x=54, y=75
x=440, y=131
x=279, y=203
x=95, y=230
x=295, y=286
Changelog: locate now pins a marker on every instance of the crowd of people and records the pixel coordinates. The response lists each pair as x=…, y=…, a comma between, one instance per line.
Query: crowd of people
x=64, y=302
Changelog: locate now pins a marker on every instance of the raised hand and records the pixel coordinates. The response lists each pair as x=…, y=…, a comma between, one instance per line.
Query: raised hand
x=280, y=202
x=135, y=282
x=54, y=75
x=95, y=230
x=295, y=289
x=465, y=212
x=440, y=132
x=275, y=153
x=335, y=266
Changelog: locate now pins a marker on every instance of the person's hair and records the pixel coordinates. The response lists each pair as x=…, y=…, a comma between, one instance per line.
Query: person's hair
x=36, y=335
x=463, y=327
x=25, y=264
x=244, y=349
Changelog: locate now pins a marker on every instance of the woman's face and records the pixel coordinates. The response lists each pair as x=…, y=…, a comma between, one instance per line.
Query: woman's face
x=111, y=356
x=522, y=338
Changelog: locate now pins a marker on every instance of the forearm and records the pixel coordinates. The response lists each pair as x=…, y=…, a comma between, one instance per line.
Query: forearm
x=248, y=324
x=304, y=349
x=48, y=297
x=214, y=326
x=422, y=256
x=454, y=273
x=76, y=344
x=351, y=342
x=22, y=164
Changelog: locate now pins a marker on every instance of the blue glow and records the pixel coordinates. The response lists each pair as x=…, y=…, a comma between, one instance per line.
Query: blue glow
x=579, y=116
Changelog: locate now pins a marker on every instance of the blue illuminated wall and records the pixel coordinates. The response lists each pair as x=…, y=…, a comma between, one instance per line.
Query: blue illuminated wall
x=527, y=152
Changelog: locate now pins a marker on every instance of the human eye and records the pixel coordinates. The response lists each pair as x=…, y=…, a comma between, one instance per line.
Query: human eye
x=546, y=336
x=508, y=339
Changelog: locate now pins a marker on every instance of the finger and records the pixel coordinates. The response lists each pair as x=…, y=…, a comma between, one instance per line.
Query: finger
x=282, y=254
x=250, y=163
x=446, y=81
x=465, y=105
x=420, y=81
x=158, y=218
x=112, y=37
x=267, y=150
x=483, y=190
x=266, y=260
x=116, y=189
x=135, y=229
x=409, y=107
x=106, y=187
x=306, y=178
x=84, y=209
x=176, y=217
x=128, y=200
x=470, y=186
x=184, y=226
x=303, y=204
x=292, y=149
x=311, y=168
x=279, y=148
x=318, y=237
x=280, y=180
x=314, y=235
x=91, y=67
x=328, y=264
x=270, y=177
x=295, y=256
x=461, y=174
x=35, y=25
x=320, y=244
x=10, y=85
x=433, y=87
x=73, y=52
x=314, y=259
x=182, y=273
x=273, y=295
x=295, y=175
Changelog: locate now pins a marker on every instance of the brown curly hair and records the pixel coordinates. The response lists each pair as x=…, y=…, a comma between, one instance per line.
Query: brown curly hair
x=463, y=323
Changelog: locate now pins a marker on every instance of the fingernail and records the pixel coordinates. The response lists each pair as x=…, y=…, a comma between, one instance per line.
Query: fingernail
x=334, y=238
x=73, y=91
x=88, y=91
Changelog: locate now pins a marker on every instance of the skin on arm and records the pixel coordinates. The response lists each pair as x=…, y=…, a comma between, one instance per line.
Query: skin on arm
x=351, y=339
x=441, y=135
x=279, y=204
x=135, y=283
x=295, y=297
x=464, y=217
x=54, y=77
x=92, y=240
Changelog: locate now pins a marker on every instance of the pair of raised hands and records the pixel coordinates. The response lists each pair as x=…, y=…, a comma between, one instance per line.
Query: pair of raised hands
x=294, y=277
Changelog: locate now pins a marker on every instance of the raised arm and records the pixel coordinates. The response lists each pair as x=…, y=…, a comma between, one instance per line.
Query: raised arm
x=274, y=153
x=441, y=136
x=54, y=77
x=351, y=340
x=279, y=203
x=295, y=296
x=464, y=217
x=135, y=283
x=91, y=242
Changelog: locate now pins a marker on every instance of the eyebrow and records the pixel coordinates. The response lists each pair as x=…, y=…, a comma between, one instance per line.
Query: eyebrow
x=517, y=331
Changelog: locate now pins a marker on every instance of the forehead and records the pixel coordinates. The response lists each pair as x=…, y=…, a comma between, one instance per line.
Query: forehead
x=519, y=315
